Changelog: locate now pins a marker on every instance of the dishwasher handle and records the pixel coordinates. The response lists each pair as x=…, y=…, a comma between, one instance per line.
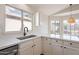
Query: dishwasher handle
x=5, y=52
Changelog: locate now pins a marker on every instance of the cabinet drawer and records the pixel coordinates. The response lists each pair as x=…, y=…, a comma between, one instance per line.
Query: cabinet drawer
x=66, y=43
x=25, y=45
x=37, y=40
x=71, y=44
x=57, y=41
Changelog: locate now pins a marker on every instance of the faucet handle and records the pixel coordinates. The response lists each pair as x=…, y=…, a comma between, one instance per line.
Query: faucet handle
x=24, y=33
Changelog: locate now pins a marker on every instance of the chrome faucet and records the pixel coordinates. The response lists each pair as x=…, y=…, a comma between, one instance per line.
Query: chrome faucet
x=24, y=30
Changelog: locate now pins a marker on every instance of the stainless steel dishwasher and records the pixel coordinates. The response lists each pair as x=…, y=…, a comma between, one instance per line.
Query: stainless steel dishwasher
x=12, y=50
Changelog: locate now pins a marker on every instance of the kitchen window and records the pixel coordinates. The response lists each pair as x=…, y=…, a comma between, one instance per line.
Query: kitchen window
x=17, y=19
x=62, y=29
x=55, y=28
x=66, y=29
x=27, y=20
x=71, y=31
x=13, y=19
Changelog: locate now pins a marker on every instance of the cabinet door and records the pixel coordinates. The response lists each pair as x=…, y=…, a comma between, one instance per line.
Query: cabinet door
x=47, y=46
x=57, y=49
x=37, y=46
x=71, y=51
x=26, y=48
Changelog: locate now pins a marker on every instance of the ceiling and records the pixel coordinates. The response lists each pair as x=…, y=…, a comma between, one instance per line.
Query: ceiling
x=66, y=11
x=48, y=9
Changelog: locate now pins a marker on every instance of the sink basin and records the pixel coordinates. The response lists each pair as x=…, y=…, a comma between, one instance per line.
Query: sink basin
x=26, y=37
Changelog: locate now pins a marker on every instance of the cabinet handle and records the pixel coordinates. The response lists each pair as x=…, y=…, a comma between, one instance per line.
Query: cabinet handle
x=61, y=46
x=56, y=40
x=32, y=46
x=35, y=45
x=70, y=43
x=64, y=47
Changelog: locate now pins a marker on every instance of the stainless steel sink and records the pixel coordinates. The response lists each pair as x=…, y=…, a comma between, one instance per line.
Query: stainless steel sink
x=26, y=37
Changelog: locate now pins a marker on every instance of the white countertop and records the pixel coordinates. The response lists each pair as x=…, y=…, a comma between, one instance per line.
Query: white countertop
x=6, y=42
x=64, y=39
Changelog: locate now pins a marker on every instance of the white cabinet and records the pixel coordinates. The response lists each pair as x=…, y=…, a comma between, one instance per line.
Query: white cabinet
x=26, y=48
x=57, y=49
x=52, y=47
x=31, y=47
x=71, y=51
x=47, y=46
x=64, y=47
x=37, y=46
x=71, y=48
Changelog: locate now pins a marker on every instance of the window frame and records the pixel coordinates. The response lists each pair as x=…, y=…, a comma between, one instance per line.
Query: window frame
x=50, y=24
x=27, y=20
x=20, y=20
x=62, y=29
x=71, y=36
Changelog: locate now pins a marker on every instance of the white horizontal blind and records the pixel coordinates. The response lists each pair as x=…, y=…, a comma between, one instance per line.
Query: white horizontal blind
x=13, y=19
x=27, y=20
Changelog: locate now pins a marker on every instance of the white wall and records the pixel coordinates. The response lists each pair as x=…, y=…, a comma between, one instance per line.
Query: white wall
x=43, y=24
x=2, y=17
x=43, y=28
